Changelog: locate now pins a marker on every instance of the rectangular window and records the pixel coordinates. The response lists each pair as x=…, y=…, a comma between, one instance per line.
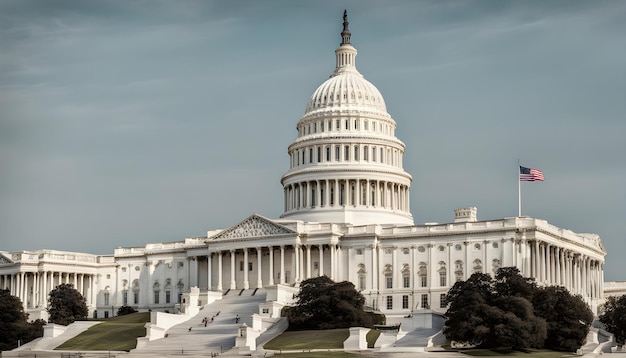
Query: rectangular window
x=405, y=302
x=315, y=127
x=125, y=298
x=365, y=124
x=425, y=301
x=136, y=298
x=267, y=310
x=356, y=152
x=346, y=153
x=328, y=154
x=322, y=125
x=319, y=154
x=361, y=282
x=442, y=301
x=423, y=281
x=156, y=297
x=389, y=281
x=106, y=298
x=310, y=155
x=168, y=296
x=108, y=276
x=442, y=279
x=337, y=153
x=406, y=281
x=337, y=124
x=240, y=265
x=316, y=265
x=389, y=302
x=249, y=266
x=347, y=125
x=359, y=251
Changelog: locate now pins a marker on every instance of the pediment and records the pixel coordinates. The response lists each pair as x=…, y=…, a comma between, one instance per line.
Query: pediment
x=4, y=260
x=255, y=226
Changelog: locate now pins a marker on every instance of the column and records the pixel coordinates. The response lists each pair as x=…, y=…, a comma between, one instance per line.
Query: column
x=233, y=283
x=296, y=263
x=246, y=282
x=308, y=261
x=548, y=264
x=45, y=289
x=219, y=271
x=282, y=265
x=321, y=249
x=209, y=270
x=332, y=261
x=259, y=279
x=271, y=273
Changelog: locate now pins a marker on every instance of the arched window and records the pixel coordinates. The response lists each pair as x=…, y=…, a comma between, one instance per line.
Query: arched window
x=168, y=291
x=107, y=295
x=388, y=276
x=356, y=152
x=180, y=286
x=406, y=276
x=478, y=266
x=443, y=275
x=495, y=264
x=362, y=276
x=458, y=270
x=423, y=274
x=157, y=291
x=136, y=292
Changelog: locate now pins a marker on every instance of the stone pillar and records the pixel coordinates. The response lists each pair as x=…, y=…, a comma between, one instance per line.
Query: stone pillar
x=45, y=290
x=321, y=250
x=332, y=261
x=282, y=264
x=246, y=282
x=271, y=266
x=209, y=270
x=220, y=276
x=259, y=279
x=308, y=261
x=233, y=282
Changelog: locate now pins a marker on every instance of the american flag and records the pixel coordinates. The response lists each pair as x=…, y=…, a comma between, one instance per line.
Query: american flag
x=530, y=174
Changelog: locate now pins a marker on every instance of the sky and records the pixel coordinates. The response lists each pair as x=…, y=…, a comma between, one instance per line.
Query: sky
x=129, y=122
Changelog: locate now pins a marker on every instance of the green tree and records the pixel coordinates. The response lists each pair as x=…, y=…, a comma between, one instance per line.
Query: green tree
x=124, y=310
x=324, y=304
x=493, y=313
x=567, y=316
x=614, y=317
x=470, y=314
x=66, y=305
x=13, y=323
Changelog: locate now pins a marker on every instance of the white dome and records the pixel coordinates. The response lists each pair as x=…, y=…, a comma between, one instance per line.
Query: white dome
x=348, y=88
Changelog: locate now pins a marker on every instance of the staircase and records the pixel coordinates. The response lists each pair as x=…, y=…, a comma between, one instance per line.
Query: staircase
x=217, y=335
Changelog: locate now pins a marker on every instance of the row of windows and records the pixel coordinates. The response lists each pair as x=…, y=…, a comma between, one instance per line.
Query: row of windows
x=441, y=248
x=323, y=154
x=423, y=301
x=156, y=298
x=326, y=125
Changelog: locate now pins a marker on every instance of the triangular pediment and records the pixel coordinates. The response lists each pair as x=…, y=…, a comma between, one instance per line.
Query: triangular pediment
x=4, y=260
x=255, y=226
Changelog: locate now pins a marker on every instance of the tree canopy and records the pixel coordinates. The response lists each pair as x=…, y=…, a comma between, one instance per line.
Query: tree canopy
x=510, y=311
x=66, y=305
x=13, y=323
x=324, y=304
x=614, y=317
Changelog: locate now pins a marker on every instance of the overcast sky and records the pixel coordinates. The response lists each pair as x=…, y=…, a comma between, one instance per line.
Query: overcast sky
x=129, y=122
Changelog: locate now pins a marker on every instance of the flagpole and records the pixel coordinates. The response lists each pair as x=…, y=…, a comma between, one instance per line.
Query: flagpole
x=519, y=192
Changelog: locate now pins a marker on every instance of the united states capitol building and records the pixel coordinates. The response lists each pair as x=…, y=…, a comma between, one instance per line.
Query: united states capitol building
x=347, y=215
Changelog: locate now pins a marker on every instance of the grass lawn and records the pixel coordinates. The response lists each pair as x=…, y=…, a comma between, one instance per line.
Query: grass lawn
x=115, y=334
x=510, y=353
x=323, y=339
x=317, y=355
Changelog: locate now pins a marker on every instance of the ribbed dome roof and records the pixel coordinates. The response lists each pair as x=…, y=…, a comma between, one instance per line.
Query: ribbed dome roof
x=346, y=87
